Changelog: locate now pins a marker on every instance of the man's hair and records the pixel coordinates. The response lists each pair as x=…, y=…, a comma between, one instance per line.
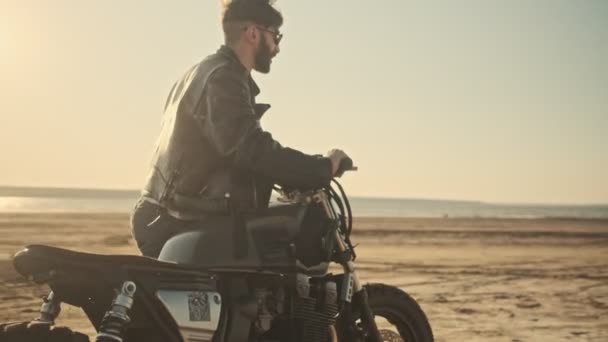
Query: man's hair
x=237, y=12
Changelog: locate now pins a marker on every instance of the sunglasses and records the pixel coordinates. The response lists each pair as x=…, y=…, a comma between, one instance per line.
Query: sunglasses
x=276, y=35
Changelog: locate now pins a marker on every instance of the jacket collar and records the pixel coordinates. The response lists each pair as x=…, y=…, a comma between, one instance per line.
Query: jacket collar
x=231, y=55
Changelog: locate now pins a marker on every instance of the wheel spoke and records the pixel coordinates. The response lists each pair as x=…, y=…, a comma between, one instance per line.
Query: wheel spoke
x=390, y=336
x=388, y=330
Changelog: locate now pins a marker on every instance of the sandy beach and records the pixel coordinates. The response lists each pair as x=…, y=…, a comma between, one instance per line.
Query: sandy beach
x=477, y=279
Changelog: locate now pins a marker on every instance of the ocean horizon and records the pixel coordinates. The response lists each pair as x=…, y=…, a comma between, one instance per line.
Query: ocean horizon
x=45, y=199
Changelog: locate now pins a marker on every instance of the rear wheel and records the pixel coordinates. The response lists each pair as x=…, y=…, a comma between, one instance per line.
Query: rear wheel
x=38, y=332
x=398, y=317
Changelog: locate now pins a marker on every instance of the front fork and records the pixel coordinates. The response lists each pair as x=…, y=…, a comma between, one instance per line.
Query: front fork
x=353, y=293
x=361, y=302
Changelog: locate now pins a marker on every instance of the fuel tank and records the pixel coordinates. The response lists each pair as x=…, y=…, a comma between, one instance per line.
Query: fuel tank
x=281, y=240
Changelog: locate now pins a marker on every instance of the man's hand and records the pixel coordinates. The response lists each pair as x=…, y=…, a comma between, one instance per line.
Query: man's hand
x=336, y=157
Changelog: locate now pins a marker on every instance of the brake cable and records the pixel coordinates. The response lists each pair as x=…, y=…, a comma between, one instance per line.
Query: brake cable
x=346, y=228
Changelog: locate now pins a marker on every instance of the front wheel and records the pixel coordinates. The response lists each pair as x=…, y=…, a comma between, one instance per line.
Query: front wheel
x=398, y=317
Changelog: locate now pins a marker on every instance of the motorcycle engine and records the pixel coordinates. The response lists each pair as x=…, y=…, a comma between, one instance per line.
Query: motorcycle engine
x=316, y=308
x=304, y=315
x=270, y=305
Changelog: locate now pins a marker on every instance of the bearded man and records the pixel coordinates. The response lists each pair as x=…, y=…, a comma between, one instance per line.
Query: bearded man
x=213, y=160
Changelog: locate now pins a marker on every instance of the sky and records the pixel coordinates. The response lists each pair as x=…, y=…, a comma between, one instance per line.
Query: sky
x=496, y=101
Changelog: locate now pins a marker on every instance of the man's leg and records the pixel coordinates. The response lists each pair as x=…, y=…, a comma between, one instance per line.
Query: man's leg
x=151, y=227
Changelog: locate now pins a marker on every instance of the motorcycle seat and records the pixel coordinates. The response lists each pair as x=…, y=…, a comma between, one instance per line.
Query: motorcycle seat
x=40, y=262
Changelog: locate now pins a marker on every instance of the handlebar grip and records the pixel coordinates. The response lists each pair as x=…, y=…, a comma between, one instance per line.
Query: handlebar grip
x=346, y=164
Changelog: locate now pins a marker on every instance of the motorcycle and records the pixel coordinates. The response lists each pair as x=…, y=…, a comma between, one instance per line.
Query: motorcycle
x=267, y=281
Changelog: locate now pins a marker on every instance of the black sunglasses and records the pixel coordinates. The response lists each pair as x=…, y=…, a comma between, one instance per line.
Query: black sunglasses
x=277, y=36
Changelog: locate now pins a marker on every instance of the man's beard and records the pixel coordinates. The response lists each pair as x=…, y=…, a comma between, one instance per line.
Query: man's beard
x=263, y=57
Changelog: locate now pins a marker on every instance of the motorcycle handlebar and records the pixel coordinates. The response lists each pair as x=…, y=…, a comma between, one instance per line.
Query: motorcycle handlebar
x=346, y=164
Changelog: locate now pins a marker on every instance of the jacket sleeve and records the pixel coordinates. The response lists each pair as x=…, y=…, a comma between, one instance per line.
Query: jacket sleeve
x=231, y=125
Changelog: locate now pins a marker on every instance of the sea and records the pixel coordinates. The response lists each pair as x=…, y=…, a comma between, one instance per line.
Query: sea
x=57, y=200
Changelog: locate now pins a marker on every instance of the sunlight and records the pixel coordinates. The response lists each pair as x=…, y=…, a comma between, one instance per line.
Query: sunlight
x=12, y=204
x=5, y=42
x=21, y=38
x=8, y=45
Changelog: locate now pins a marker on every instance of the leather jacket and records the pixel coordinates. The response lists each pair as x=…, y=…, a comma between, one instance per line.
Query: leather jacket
x=212, y=149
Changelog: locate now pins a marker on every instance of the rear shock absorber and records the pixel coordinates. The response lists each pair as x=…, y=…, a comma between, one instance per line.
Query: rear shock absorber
x=49, y=311
x=115, y=321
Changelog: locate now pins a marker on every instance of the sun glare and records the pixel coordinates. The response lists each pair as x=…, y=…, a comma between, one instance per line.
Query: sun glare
x=19, y=43
x=7, y=44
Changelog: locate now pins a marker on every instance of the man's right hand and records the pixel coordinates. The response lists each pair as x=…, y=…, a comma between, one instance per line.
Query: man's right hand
x=336, y=156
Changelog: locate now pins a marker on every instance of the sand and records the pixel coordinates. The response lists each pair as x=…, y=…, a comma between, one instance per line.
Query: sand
x=477, y=279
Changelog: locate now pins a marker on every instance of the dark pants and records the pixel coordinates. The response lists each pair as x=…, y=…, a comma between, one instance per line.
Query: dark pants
x=152, y=227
